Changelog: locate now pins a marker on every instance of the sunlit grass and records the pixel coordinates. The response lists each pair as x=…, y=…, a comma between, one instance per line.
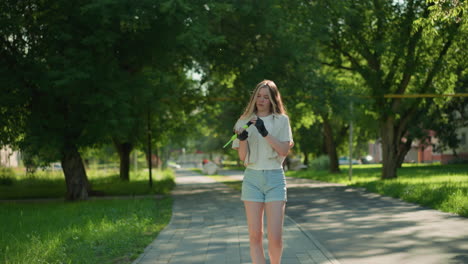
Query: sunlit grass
x=163, y=183
x=51, y=184
x=442, y=187
x=197, y=170
x=99, y=231
x=232, y=165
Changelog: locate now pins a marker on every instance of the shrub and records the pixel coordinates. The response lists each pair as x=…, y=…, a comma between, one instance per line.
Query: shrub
x=6, y=176
x=458, y=161
x=320, y=163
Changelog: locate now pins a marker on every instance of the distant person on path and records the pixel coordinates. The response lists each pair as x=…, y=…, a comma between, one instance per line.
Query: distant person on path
x=263, y=147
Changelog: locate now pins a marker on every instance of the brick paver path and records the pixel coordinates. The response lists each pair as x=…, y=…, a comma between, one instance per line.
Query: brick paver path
x=209, y=226
x=360, y=227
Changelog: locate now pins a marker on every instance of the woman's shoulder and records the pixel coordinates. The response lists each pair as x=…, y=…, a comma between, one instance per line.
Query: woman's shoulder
x=242, y=121
x=282, y=117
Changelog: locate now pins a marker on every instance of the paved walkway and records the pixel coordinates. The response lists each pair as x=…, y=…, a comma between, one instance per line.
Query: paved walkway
x=353, y=227
x=359, y=227
x=209, y=226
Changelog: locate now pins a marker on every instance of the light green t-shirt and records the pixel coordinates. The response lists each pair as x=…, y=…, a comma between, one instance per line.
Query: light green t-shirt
x=260, y=155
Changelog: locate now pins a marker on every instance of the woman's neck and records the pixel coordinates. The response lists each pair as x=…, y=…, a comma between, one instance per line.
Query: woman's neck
x=263, y=114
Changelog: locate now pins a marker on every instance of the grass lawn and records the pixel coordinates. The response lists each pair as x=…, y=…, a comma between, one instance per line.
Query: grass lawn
x=51, y=184
x=95, y=231
x=442, y=187
x=233, y=167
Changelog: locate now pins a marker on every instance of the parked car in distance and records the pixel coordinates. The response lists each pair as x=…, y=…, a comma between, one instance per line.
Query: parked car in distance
x=367, y=159
x=345, y=161
x=55, y=166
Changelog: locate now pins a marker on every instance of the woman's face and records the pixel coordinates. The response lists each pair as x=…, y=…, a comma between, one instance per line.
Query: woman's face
x=263, y=102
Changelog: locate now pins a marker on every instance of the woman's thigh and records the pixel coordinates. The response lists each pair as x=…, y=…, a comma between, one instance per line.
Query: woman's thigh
x=275, y=218
x=254, y=213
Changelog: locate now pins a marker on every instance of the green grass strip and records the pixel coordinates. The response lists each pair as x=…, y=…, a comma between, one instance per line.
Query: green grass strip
x=96, y=231
x=51, y=184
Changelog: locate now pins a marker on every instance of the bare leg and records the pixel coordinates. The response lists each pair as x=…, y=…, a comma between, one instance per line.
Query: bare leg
x=275, y=219
x=254, y=213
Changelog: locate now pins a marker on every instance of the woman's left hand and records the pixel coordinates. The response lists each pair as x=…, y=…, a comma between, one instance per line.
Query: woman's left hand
x=261, y=127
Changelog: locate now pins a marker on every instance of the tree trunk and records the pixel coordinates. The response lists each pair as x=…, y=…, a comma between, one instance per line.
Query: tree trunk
x=124, y=150
x=164, y=157
x=330, y=146
x=389, y=149
x=78, y=187
x=149, y=158
x=306, y=158
x=403, y=150
x=156, y=150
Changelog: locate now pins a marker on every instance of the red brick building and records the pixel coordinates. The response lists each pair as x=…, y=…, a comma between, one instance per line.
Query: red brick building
x=424, y=152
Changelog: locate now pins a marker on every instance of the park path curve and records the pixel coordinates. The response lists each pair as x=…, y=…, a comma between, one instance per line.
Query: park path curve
x=359, y=227
x=208, y=226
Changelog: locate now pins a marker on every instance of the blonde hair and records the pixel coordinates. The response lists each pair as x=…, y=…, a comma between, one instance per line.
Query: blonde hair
x=274, y=95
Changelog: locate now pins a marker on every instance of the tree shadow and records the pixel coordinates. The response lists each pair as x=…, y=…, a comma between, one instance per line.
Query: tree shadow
x=361, y=227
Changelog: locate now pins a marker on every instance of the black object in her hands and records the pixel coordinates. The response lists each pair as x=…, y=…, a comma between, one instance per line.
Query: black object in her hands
x=261, y=127
x=243, y=136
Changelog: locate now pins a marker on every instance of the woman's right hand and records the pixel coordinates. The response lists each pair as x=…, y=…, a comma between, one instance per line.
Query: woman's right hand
x=243, y=135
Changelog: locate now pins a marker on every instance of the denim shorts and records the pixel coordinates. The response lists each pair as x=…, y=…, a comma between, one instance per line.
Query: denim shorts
x=264, y=186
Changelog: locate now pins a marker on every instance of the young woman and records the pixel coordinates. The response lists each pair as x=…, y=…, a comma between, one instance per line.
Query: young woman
x=263, y=147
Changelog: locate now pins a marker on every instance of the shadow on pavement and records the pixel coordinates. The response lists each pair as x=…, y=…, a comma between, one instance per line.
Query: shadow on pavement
x=361, y=227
